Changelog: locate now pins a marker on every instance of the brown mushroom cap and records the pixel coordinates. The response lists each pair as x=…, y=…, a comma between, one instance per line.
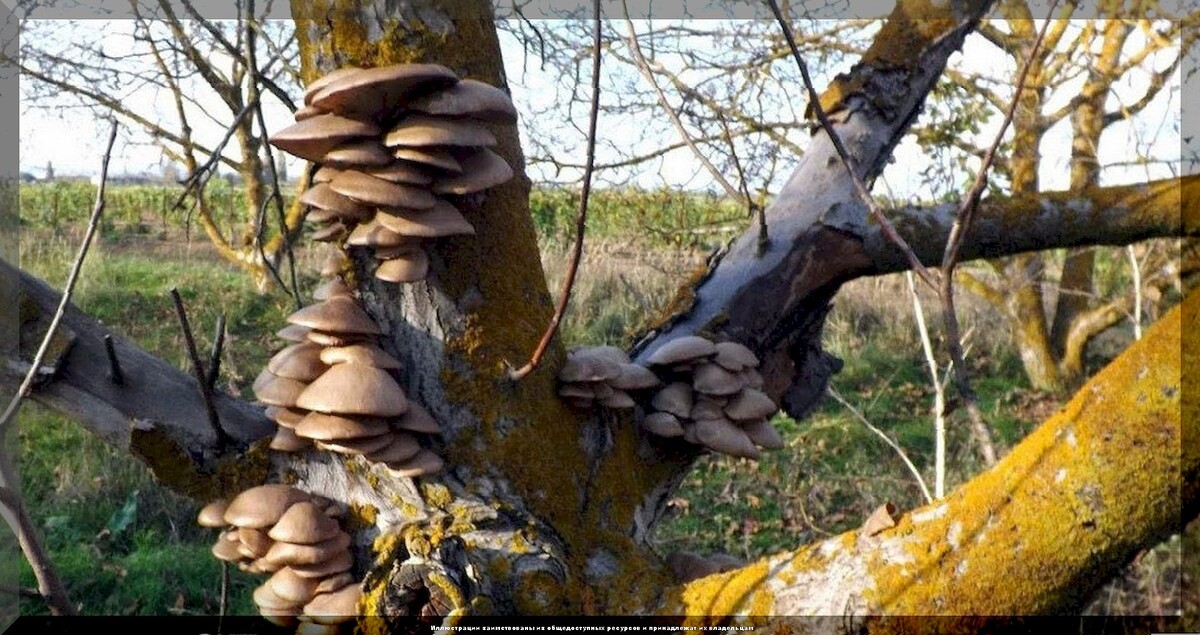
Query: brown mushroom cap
x=274, y=390
x=618, y=399
x=354, y=389
x=261, y=506
x=255, y=542
x=227, y=550
x=663, y=424
x=422, y=463
x=329, y=233
x=334, y=582
x=373, y=234
x=301, y=558
x=411, y=265
x=401, y=171
x=339, y=314
x=290, y=587
x=750, y=404
x=324, y=174
x=304, y=524
x=763, y=434
x=326, y=427
x=635, y=377
x=285, y=440
x=357, y=153
x=360, y=445
x=711, y=379
x=331, y=77
x=723, y=436
x=468, y=98
x=301, y=361
x=335, y=607
x=682, y=349
x=376, y=191
x=339, y=562
x=403, y=446
x=292, y=333
x=440, y=158
x=734, y=356
x=378, y=92
x=418, y=419
x=307, y=112
x=368, y=354
x=332, y=287
x=213, y=514
x=313, y=137
x=265, y=598
x=325, y=338
x=589, y=364
x=481, y=170
x=443, y=219
x=322, y=196
x=705, y=407
x=419, y=131
x=676, y=399
x=285, y=417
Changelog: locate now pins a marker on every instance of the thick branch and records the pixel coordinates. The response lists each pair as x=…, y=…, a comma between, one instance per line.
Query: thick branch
x=1062, y=499
x=156, y=414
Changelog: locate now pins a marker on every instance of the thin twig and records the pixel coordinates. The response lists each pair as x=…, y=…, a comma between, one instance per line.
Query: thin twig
x=1137, y=292
x=886, y=439
x=197, y=365
x=847, y=161
x=50, y=586
x=214, y=355
x=581, y=221
x=939, y=393
x=962, y=223
x=753, y=209
x=114, y=365
x=40, y=357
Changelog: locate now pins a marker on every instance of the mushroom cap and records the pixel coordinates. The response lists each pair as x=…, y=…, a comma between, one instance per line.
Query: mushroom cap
x=432, y=156
x=274, y=390
x=376, y=191
x=468, y=98
x=255, y=542
x=290, y=587
x=481, y=170
x=577, y=390
x=763, y=434
x=337, y=563
x=326, y=427
x=285, y=417
x=301, y=361
x=355, y=389
x=313, y=137
x=401, y=171
x=418, y=419
x=752, y=378
x=301, y=557
x=676, y=399
x=368, y=354
x=590, y=364
x=360, y=445
x=619, y=399
x=711, y=379
x=356, y=153
x=329, y=233
x=705, y=407
x=335, y=607
x=334, y=582
x=724, y=437
x=322, y=196
x=373, y=234
x=292, y=333
x=307, y=112
x=339, y=314
x=418, y=130
x=285, y=440
x=750, y=404
x=265, y=598
x=331, y=77
x=261, y=506
x=213, y=514
x=325, y=338
x=411, y=265
x=443, y=219
x=403, y=446
x=734, y=356
x=332, y=287
x=325, y=174
x=304, y=524
x=422, y=463
x=635, y=377
x=227, y=550
x=663, y=424
x=682, y=349
x=376, y=93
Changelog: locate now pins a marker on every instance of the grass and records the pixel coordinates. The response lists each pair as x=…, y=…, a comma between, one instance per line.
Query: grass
x=124, y=545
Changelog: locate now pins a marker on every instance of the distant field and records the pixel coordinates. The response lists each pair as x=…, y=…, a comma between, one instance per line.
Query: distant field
x=127, y=546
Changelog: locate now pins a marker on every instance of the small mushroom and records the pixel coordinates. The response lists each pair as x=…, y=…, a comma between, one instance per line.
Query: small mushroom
x=261, y=506
x=468, y=98
x=734, y=357
x=443, y=219
x=304, y=524
x=368, y=354
x=311, y=138
x=335, y=607
x=361, y=186
x=422, y=463
x=409, y=266
x=682, y=349
x=303, y=559
x=750, y=404
x=354, y=389
x=418, y=130
x=724, y=437
x=481, y=170
x=711, y=379
x=676, y=399
x=375, y=93
x=663, y=424
x=213, y=514
x=435, y=157
x=338, y=314
x=301, y=362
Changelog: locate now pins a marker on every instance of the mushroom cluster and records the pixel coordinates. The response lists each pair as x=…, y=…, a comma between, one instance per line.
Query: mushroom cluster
x=393, y=143
x=294, y=536
x=603, y=375
x=712, y=397
x=334, y=389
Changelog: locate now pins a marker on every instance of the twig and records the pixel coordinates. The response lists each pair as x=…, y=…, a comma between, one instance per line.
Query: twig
x=197, y=365
x=1137, y=292
x=847, y=161
x=50, y=586
x=581, y=221
x=962, y=223
x=214, y=355
x=752, y=206
x=114, y=365
x=40, y=357
x=886, y=439
x=939, y=393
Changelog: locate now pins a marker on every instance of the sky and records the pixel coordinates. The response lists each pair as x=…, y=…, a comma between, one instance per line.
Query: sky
x=73, y=141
